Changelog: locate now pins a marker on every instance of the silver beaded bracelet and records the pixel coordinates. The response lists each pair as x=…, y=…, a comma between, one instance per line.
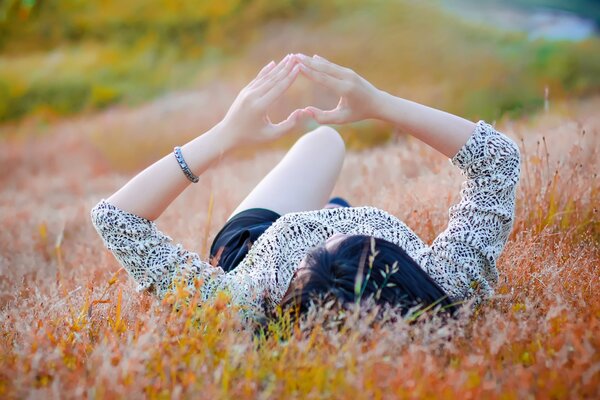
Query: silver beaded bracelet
x=186, y=170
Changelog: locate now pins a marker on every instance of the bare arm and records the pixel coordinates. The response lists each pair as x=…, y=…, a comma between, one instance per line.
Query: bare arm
x=360, y=100
x=445, y=132
x=150, y=192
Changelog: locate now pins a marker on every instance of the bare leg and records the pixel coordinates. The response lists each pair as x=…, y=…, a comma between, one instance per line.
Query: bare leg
x=305, y=177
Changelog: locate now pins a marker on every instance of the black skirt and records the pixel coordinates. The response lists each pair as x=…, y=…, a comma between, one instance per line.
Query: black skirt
x=234, y=240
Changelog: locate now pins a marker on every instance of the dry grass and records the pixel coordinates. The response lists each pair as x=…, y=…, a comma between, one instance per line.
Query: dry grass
x=72, y=326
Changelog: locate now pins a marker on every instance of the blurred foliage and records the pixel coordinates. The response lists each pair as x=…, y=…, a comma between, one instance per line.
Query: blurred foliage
x=64, y=56
x=585, y=8
x=38, y=24
x=68, y=56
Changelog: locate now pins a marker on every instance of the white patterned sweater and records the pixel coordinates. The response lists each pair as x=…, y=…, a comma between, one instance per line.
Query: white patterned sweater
x=462, y=259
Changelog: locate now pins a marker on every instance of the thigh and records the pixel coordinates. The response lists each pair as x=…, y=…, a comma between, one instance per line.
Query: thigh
x=304, y=179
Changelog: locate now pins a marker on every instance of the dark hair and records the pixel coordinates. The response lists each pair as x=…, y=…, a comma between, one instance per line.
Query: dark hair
x=363, y=267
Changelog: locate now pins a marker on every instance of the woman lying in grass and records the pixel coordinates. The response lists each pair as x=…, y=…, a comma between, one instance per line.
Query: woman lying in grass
x=284, y=245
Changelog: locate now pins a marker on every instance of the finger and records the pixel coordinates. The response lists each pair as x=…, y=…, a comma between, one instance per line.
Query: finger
x=280, y=87
x=265, y=70
x=335, y=116
x=275, y=78
x=272, y=72
x=344, y=72
x=262, y=73
x=295, y=120
x=324, y=66
x=329, y=81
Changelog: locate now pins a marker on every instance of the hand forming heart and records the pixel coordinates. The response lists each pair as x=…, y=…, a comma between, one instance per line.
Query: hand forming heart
x=357, y=95
x=249, y=110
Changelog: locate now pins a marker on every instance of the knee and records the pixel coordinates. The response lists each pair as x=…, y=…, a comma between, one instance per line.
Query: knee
x=325, y=139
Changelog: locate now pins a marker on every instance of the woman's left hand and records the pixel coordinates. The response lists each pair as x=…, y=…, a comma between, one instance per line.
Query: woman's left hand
x=358, y=97
x=247, y=120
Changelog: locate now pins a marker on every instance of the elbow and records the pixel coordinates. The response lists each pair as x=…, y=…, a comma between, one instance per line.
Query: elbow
x=513, y=161
x=96, y=215
x=102, y=217
x=513, y=150
x=509, y=161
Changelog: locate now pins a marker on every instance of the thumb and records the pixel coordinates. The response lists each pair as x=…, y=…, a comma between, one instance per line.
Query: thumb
x=296, y=119
x=326, y=117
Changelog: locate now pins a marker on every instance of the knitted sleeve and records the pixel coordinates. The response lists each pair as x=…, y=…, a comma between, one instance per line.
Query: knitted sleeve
x=462, y=259
x=148, y=255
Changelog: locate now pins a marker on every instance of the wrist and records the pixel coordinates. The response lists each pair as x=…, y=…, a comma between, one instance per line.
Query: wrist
x=382, y=101
x=208, y=148
x=225, y=136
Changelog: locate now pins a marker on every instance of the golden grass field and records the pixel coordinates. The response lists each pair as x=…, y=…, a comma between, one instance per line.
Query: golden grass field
x=72, y=326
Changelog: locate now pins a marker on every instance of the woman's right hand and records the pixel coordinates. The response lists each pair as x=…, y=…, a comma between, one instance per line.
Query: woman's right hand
x=358, y=97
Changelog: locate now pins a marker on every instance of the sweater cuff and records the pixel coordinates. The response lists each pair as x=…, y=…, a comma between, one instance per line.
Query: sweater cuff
x=474, y=149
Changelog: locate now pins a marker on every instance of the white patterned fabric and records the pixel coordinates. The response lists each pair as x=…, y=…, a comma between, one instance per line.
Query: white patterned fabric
x=462, y=259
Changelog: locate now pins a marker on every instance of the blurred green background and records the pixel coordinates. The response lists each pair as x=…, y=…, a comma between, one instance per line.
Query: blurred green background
x=481, y=59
